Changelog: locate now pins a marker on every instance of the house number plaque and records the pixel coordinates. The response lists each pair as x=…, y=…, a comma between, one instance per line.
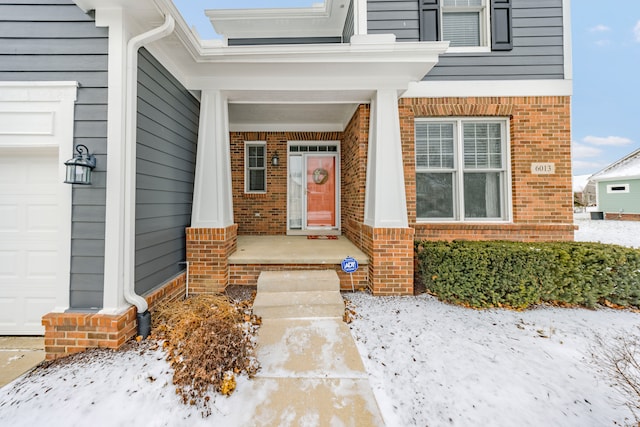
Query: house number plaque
x=543, y=168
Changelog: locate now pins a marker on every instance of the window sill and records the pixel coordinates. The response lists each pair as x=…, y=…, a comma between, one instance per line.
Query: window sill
x=450, y=223
x=260, y=195
x=469, y=49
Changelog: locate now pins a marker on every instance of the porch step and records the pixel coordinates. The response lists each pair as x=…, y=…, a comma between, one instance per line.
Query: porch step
x=298, y=281
x=298, y=294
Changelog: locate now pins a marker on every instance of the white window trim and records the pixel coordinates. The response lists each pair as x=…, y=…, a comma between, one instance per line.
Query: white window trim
x=248, y=144
x=611, y=190
x=458, y=172
x=485, y=28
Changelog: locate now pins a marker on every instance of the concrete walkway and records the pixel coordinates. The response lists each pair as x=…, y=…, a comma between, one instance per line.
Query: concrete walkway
x=310, y=364
x=18, y=355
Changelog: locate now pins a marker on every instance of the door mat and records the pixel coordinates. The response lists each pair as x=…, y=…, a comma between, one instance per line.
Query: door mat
x=322, y=237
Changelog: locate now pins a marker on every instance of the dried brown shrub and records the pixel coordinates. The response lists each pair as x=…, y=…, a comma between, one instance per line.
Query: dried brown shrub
x=619, y=358
x=208, y=340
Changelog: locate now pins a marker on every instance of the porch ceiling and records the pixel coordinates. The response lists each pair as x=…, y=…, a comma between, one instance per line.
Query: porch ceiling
x=290, y=117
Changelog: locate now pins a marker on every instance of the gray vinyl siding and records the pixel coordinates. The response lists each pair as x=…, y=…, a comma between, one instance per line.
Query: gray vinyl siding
x=349, y=24
x=54, y=40
x=166, y=153
x=537, y=42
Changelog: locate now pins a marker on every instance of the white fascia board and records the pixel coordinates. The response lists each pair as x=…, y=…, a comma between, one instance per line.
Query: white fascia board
x=485, y=88
x=340, y=67
x=368, y=49
x=616, y=178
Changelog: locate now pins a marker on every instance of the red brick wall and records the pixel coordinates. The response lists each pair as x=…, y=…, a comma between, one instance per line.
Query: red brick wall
x=390, y=252
x=208, y=251
x=540, y=132
x=354, y=172
x=68, y=333
x=266, y=214
x=247, y=274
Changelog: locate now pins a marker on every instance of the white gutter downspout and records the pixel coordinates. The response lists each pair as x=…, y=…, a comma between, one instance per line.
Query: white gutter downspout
x=131, y=81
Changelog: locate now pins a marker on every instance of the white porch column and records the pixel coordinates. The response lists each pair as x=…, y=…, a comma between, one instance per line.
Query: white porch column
x=212, y=197
x=385, y=198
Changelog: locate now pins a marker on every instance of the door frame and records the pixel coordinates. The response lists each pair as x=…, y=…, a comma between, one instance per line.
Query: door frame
x=304, y=231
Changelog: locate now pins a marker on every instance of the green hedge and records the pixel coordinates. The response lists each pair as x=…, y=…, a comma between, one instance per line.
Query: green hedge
x=517, y=275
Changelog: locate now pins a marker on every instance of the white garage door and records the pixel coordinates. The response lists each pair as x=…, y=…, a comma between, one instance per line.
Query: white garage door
x=29, y=221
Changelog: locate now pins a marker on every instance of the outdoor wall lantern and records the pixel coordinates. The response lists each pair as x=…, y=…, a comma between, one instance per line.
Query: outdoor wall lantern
x=79, y=168
x=275, y=160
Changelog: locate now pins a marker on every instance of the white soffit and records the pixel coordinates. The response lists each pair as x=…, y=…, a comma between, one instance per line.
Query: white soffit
x=289, y=117
x=321, y=20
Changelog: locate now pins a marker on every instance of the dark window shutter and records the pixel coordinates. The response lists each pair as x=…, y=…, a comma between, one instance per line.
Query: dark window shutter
x=501, y=35
x=429, y=20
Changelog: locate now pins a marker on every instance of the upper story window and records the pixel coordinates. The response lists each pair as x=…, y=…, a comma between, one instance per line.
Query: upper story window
x=464, y=22
x=255, y=177
x=467, y=24
x=462, y=170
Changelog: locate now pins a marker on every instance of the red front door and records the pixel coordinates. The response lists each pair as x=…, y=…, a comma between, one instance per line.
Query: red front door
x=321, y=191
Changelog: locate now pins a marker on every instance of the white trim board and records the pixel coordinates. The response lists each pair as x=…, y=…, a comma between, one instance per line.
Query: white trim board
x=463, y=89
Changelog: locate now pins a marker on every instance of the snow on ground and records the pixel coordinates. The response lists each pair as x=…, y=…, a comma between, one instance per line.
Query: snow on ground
x=626, y=233
x=106, y=388
x=429, y=364
x=433, y=364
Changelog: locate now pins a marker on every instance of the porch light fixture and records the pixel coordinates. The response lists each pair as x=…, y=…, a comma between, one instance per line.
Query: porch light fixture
x=79, y=168
x=275, y=160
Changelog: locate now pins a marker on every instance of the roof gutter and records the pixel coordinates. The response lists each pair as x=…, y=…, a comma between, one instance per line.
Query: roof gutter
x=144, y=318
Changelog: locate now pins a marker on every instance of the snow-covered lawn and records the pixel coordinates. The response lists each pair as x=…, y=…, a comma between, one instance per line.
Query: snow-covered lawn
x=429, y=364
x=625, y=233
x=433, y=364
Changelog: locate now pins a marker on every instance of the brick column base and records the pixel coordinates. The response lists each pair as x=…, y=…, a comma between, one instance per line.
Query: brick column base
x=67, y=333
x=208, y=251
x=391, y=256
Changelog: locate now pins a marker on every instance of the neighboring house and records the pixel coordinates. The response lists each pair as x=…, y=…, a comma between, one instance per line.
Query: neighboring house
x=392, y=121
x=584, y=191
x=618, y=188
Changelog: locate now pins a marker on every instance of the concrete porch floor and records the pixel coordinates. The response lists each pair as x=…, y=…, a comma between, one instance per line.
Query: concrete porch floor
x=294, y=250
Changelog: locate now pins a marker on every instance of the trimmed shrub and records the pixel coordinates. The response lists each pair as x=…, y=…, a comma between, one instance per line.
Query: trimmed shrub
x=517, y=275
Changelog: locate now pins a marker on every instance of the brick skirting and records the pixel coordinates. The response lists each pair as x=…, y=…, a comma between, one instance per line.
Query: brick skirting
x=247, y=274
x=496, y=231
x=74, y=332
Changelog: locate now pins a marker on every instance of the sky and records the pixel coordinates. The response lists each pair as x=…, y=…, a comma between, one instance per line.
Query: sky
x=606, y=71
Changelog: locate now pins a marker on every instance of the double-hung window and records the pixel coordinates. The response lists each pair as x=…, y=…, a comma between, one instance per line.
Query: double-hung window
x=255, y=177
x=465, y=22
x=462, y=170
